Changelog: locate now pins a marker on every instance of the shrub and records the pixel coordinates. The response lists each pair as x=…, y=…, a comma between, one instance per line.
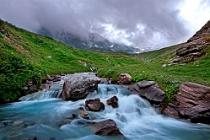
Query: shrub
x=14, y=74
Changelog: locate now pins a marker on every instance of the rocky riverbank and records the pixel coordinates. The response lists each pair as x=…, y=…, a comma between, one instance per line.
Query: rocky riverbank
x=108, y=111
x=192, y=101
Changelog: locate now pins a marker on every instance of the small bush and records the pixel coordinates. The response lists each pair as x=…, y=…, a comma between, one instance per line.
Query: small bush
x=137, y=78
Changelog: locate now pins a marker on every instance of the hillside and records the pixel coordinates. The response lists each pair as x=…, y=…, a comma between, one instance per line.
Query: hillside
x=28, y=57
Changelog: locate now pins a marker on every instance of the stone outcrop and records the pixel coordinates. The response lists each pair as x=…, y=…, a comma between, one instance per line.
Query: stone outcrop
x=113, y=102
x=195, y=46
x=192, y=102
x=68, y=87
x=148, y=90
x=105, y=128
x=189, y=52
x=78, y=86
x=94, y=105
x=124, y=78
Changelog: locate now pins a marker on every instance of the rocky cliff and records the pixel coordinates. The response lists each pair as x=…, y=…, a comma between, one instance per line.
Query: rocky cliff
x=195, y=46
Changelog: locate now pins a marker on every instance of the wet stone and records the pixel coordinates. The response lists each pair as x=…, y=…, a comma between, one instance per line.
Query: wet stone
x=113, y=102
x=94, y=105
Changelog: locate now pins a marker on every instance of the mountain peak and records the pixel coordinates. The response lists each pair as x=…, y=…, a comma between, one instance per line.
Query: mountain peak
x=94, y=41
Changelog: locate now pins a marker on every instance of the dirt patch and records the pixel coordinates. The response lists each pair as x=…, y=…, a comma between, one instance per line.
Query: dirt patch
x=20, y=49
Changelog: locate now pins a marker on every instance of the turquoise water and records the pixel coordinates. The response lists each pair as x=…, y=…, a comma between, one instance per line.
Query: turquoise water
x=53, y=119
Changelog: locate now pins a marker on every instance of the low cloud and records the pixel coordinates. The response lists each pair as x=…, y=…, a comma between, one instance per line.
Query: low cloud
x=145, y=24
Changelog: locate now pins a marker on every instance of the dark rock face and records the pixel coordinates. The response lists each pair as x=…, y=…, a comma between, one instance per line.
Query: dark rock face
x=195, y=46
x=124, y=78
x=148, y=90
x=113, y=102
x=189, y=52
x=105, y=128
x=94, y=105
x=77, y=86
x=192, y=102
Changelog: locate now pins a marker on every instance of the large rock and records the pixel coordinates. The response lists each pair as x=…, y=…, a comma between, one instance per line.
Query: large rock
x=106, y=128
x=78, y=86
x=113, y=102
x=148, y=90
x=192, y=102
x=124, y=78
x=195, y=47
x=189, y=51
x=94, y=105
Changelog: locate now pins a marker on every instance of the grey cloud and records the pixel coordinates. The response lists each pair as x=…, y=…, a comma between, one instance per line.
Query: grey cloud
x=206, y=1
x=159, y=18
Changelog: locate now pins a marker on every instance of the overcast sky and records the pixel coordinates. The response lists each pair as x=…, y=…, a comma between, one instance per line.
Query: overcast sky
x=145, y=24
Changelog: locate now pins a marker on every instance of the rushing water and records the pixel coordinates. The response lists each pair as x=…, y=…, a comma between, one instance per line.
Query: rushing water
x=51, y=119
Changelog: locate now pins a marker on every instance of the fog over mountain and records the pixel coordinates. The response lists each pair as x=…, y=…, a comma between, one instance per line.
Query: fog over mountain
x=143, y=24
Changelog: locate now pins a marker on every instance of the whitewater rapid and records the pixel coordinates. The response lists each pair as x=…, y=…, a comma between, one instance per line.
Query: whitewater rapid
x=46, y=118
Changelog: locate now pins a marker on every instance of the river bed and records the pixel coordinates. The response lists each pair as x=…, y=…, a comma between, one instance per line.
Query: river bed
x=46, y=118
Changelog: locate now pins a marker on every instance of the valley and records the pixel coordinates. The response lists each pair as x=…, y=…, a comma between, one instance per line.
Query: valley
x=44, y=78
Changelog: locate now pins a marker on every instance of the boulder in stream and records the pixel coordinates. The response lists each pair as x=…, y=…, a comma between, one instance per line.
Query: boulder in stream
x=148, y=90
x=192, y=102
x=79, y=85
x=124, y=78
x=94, y=105
x=113, y=102
x=105, y=128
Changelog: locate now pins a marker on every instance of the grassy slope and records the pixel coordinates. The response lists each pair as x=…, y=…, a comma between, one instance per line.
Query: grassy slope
x=25, y=55
x=197, y=71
